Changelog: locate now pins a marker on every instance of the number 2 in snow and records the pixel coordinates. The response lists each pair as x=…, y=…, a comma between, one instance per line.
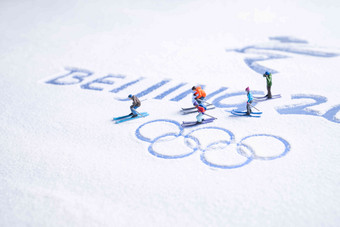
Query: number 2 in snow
x=303, y=108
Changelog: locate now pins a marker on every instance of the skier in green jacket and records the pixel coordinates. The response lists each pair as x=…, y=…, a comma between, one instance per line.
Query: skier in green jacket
x=268, y=76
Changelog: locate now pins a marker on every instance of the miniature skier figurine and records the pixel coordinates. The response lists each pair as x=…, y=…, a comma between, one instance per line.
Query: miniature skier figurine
x=135, y=104
x=268, y=76
x=199, y=94
x=201, y=109
x=249, y=101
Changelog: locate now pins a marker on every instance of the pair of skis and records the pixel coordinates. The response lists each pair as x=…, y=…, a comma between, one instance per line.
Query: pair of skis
x=193, y=123
x=129, y=117
x=194, y=110
x=244, y=113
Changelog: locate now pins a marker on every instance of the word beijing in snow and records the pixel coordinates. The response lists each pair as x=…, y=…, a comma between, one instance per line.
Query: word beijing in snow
x=81, y=76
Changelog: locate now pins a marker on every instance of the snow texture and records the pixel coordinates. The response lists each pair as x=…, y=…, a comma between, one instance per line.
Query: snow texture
x=67, y=68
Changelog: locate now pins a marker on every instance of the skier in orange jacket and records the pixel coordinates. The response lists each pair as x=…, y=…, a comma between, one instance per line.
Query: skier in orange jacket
x=199, y=94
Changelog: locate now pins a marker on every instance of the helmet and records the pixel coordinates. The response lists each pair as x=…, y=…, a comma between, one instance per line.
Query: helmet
x=193, y=88
x=130, y=96
x=247, y=89
x=266, y=73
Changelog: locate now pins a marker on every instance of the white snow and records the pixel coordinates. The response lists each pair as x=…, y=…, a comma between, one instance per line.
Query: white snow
x=64, y=162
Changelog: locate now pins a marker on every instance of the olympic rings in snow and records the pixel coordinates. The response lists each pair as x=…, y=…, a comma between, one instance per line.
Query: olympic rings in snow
x=255, y=156
x=155, y=140
x=141, y=137
x=193, y=143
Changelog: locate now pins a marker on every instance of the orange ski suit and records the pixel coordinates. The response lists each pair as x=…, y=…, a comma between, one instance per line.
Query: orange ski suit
x=199, y=93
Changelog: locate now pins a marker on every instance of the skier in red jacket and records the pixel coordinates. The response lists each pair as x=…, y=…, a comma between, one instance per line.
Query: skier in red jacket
x=201, y=109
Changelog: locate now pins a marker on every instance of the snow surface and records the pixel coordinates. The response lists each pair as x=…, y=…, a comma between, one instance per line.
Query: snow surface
x=68, y=66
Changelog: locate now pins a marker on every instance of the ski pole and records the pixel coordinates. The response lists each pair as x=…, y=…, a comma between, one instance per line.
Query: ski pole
x=210, y=116
x=205, y=101
x=137, y=112
x=254, y=107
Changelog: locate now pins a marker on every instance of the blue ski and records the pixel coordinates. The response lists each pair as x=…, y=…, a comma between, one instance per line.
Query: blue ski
x=121, y=117
x=144, y=114
x=193, y=123
x=245, y=114
x=236, y=111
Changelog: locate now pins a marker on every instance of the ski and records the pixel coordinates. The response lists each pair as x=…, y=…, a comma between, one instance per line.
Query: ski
x=194, y=110
x=193, y=123
x=121, y=117
x=129, y=117
x=236, y=111
x=245, y=114
x=264, y=98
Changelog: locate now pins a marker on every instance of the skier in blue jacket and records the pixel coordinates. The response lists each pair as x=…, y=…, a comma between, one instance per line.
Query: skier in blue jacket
x=249, y=101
